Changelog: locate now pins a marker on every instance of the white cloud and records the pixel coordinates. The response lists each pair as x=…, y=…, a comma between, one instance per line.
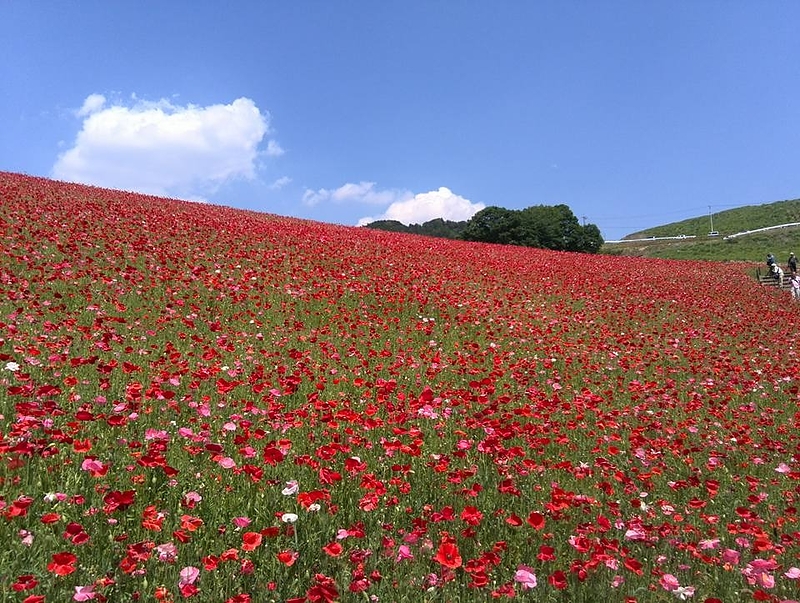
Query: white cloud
x=93, y=102
x=280, y=183
x=363, y=192
x=441, y=203
x=274, y=149
x=165, y=149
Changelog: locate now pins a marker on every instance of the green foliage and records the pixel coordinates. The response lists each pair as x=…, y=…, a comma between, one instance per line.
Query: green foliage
x=438, y=227
x=388, y=225
x=545, y=226
x=553, y=227
x=592, y=239
x=495, y=225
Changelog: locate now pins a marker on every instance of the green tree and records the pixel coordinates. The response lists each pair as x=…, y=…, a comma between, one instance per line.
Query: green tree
x=388, y=225
x=546, y=226
x=591, y=239
x=493, y=225
x=438, y=227
x=551, y=227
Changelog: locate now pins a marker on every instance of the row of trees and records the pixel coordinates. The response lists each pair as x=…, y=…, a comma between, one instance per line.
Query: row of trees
x=545, y=226
x=443, y=229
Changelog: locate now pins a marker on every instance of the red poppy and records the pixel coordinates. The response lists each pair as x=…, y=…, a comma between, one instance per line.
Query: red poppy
x=75, y=533
x=306, y=499
x=271, y=532
x=448, y=555
x=62, y=564
x=323, y=590
x=536, y=520
x=229, y=555
x=471, y=515
x=117, y=500
x=191, y=523
x=287, y=557
x=19, y=508
x=558, y=579
x=633, y=565
x=188, y=590
x=25, y=582
x=210, y=562
x=82, y=445
x=546, y=553
x=328, y=476
x=251, y=541
x=272, y=455
x=152, y=519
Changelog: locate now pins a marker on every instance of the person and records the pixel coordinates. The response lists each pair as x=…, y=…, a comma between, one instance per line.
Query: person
x=770, y=261
x=792, y=263
x=771, y=265
x=777, y=274
x=795, y=286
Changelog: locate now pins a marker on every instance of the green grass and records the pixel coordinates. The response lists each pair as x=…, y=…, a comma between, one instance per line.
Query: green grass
x=748, y=248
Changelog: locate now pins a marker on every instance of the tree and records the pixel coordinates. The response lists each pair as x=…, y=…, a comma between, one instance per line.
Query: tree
x=493, y=225
x=591, y=239
x=546, y=226
x=388, y=225
x=438, y=227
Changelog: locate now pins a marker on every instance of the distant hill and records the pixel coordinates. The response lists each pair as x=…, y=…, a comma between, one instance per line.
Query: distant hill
x=750, y=247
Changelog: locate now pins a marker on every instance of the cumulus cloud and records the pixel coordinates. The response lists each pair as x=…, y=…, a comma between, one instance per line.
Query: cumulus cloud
x=165, y=149
x=363, y=192
x=441, y=203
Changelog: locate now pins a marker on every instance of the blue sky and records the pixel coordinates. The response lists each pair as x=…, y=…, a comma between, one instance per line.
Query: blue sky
x=633, y=114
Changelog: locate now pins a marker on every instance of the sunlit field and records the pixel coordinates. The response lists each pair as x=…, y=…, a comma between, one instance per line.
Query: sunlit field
x=206, y=404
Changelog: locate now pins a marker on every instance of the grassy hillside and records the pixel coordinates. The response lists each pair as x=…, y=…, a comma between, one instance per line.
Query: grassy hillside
x=751, y=247
x=210, y=405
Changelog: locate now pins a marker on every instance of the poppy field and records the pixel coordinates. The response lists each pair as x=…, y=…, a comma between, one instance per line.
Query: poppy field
x=207, y=404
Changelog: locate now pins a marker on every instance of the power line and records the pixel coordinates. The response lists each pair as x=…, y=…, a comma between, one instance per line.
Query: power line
x=699, y=209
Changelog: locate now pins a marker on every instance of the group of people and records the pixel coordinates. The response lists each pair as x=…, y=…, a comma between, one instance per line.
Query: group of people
x=777, y=273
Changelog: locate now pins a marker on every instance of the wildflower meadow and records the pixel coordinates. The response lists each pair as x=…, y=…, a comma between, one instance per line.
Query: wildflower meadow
x=205, y=404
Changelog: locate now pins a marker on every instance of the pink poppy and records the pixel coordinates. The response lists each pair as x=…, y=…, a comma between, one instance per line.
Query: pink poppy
x=525, y=576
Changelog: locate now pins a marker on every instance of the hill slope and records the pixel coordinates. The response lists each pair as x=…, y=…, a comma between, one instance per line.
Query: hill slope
x=201, y=403
x=752, y=247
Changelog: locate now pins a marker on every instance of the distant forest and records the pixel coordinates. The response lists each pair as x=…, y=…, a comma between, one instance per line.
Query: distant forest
x=544, y=226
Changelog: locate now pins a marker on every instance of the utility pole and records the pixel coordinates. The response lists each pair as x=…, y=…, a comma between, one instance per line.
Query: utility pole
x=584, y=221
x=711, y=217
